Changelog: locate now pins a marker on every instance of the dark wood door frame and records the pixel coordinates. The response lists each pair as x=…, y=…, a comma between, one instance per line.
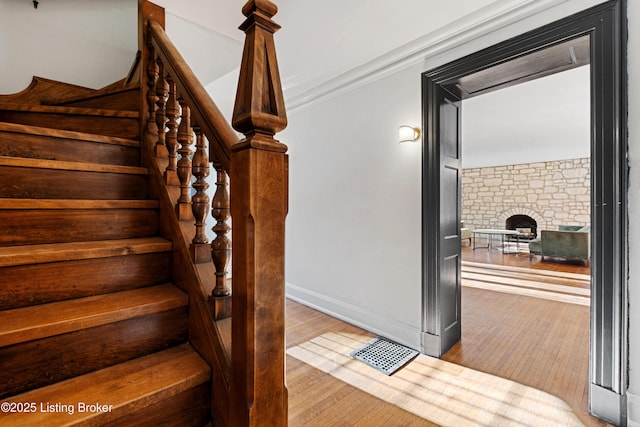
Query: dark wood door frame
x=605, y=25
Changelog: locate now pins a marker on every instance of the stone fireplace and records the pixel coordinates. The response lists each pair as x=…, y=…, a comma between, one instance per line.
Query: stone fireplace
x=521, y=217
x=548, y=193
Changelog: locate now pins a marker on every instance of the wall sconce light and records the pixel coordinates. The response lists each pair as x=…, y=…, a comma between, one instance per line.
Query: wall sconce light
x=408, y=134
x=35, y=4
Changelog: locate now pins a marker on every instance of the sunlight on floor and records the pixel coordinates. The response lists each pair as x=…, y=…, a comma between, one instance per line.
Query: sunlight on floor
x=438, y=391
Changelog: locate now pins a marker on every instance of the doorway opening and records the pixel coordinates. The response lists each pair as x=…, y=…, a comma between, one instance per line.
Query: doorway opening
x=526, y=309
x=602, y=27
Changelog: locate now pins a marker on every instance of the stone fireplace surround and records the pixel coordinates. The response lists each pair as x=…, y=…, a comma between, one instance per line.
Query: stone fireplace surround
x=552, y=193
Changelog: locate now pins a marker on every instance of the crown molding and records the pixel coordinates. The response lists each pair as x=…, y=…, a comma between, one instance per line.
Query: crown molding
x=489, y=19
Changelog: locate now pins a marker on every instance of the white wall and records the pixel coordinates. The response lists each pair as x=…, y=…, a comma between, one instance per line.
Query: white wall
x=209, y=54
x=634, y=213
x=518, y=124
x=353, y=233
x=4, y=41
x=88, y=43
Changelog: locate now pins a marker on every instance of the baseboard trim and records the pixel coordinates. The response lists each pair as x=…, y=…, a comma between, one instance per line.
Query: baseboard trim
x=633, y=410
x=375, y=323
x=431, y=345
x=608, y=405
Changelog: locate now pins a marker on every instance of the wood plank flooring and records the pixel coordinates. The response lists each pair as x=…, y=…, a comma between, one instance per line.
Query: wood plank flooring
x=536, y=342
x=539, y=343
x=317, y=398
x=439, y=391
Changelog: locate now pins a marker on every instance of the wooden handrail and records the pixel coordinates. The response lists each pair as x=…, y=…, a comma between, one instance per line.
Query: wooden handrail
x=204, y=112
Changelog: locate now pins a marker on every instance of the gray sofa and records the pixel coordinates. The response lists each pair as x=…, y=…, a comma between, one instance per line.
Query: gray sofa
x=569, y=242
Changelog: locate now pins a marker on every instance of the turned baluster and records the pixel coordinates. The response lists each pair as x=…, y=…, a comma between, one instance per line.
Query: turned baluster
x=162, y=93
x=172, y=111
x=185, y=139
x=152, y=78
x=200, y=200
x=221, y=246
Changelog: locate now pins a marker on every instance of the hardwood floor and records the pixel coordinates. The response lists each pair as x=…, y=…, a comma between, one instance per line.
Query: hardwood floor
x=539, y=343
x=536, y=342
x=318, y=399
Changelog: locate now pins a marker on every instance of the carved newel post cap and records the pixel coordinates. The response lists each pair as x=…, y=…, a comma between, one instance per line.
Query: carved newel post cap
x=259, y=111
x=265, y=6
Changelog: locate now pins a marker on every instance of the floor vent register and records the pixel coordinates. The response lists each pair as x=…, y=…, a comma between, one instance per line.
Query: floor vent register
x=383, y=355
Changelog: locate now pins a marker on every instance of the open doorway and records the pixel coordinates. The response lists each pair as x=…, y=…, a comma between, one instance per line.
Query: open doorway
x=443, y=90
x=526, y=170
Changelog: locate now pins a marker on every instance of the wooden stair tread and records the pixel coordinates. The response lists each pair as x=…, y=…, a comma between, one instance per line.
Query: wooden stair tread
x=39, y=321
x=76, y=204
x=67, y=134
x=127, y=387
x=70, y=166
x=56, y=252
x=75, y=111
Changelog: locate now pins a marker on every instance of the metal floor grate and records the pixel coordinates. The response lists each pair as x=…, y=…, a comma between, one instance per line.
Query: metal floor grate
x=383, y=355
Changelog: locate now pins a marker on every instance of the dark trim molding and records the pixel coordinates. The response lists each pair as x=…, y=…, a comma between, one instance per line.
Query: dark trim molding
x=605, y=24
x=430, y=336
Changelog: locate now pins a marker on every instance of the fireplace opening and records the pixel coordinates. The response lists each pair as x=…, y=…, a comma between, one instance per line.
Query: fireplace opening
x=524, y=224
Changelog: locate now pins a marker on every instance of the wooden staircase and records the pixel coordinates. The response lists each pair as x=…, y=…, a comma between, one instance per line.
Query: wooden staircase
x=92, y=329
x=115, y=308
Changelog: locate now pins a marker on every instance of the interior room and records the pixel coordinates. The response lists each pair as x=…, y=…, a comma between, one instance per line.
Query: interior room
x=351, y=253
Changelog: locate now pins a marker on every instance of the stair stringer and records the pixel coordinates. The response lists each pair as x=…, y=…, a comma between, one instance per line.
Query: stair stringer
x=41, y=90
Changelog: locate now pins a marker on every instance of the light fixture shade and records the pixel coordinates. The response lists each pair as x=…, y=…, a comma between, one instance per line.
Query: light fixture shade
x=408, y=134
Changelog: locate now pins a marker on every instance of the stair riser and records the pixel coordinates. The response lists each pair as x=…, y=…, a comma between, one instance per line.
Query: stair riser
x=127, y=100
x=34, y=227
x=187, y=409
x=33, y=183
x=70, y=150
x=57, y=281
x=46, y=361
x=123, y=127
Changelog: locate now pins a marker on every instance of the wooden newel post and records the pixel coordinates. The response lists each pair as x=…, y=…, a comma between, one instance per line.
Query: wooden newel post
x=259, y=184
